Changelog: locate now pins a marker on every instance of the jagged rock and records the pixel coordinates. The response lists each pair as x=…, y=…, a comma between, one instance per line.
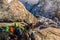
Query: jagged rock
x=14, y=11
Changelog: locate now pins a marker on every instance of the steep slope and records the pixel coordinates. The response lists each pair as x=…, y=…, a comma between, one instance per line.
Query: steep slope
x=14, y=11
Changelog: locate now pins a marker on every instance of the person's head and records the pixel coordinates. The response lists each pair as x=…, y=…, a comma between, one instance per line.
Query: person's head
x=16, y=24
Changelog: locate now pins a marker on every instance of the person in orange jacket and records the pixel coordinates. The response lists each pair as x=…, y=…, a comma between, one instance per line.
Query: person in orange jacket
x=11, y=29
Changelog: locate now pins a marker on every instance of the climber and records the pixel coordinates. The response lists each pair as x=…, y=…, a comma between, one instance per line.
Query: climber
x=19, y=26
x=18, y=29
x=11, y=30
x=7, y=28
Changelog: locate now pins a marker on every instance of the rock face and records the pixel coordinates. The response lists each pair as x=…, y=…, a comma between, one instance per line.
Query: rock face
x=14, y=11
x=45, y=34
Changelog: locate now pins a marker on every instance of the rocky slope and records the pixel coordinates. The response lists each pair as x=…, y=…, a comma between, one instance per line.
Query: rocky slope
x=45, y=34
x=14, y=11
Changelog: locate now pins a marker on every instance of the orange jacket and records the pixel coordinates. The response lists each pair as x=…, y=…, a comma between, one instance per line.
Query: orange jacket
x=11, y=29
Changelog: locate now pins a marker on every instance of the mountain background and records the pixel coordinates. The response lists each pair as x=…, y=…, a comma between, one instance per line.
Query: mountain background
x=47, y=8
